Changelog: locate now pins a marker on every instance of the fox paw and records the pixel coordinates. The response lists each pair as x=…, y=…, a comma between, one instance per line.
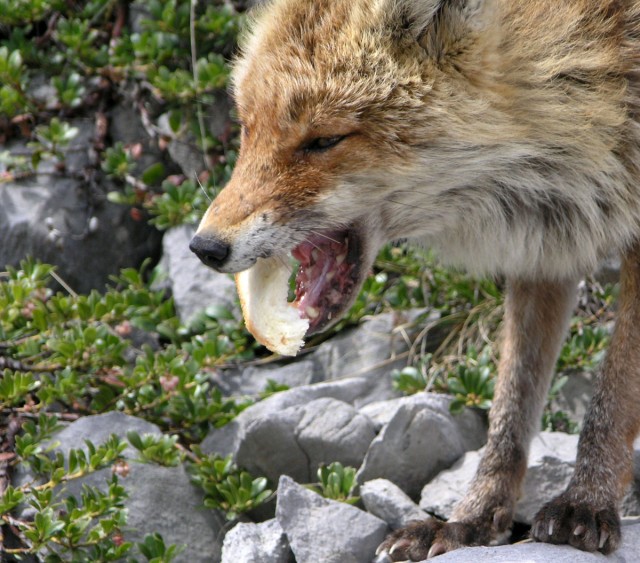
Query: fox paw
x=429, y=538
x=579, y=524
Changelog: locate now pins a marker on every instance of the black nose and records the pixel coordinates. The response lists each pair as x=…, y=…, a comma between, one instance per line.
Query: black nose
x=213, y=252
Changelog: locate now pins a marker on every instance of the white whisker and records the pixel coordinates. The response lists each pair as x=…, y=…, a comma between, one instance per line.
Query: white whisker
x=324, y=236
x=202, y=188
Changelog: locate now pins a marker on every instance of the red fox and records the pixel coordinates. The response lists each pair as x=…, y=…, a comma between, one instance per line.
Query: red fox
x=505, y=134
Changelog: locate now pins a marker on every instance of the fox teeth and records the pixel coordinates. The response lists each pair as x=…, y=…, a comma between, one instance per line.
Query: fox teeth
x=330, y=275
x=312, y=312
x=340, y=259
x=314, y=254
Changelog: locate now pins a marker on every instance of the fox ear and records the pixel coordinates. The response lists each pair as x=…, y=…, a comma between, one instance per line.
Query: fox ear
x=417, y=16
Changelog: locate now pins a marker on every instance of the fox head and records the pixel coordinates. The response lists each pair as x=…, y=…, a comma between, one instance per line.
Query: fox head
x=369, y=120
x=337, y=100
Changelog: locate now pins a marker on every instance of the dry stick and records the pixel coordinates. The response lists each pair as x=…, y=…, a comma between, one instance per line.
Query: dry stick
x=64, y=284
x=17, y=365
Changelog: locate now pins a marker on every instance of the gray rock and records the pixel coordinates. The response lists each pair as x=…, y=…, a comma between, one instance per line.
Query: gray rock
x=550, y=466
x=183, y=145
x=194, y=286
x=272, y=440
x=42, y=91
x=160, y=499
x=332, y=430
x=439, y=496
x=226, y=440
x=551, y=461
x=630, y=505
x=97, y=428
x=371, y=351
x=546, y=553
x=138, y=13
x=388, y=502
x=575, y=395
x=324, y=530
x=257, y=543
x=298, y=439
x=127, y=126
x=66, y=220
x=421, y=439
x=254, y=379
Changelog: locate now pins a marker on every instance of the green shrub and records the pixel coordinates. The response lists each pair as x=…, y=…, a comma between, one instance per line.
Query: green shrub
x=337, y=482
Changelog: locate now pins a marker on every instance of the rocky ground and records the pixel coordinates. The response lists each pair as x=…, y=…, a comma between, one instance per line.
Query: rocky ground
x=398, y=445
x=413, y=457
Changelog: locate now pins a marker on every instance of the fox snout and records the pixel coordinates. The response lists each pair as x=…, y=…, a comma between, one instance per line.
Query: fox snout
x=212, y=251
x=235, y=230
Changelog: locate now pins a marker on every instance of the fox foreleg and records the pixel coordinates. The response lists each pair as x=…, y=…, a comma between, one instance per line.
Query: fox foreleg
x=586, y=514
x=536, y=319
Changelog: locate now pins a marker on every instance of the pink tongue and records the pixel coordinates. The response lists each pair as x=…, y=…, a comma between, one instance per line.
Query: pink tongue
x=323, y=276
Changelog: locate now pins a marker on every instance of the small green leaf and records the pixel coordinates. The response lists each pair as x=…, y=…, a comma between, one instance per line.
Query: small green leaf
x=175, y=120
x=154, y=174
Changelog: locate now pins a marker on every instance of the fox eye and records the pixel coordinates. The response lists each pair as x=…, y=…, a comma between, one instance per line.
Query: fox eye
x=320, y=144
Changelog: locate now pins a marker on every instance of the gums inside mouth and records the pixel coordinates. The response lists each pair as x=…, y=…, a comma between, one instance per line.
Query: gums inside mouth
x=327, y=277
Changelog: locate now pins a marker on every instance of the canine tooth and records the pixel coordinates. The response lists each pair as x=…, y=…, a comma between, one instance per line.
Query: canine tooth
x=330, y=275
x=340, y=259
x=314, y=254
x=312, y=312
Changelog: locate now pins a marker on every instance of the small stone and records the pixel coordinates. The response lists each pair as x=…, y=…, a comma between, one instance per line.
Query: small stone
x=421, y=439
x=256, y=543
x=388, y=502
x=325, y=530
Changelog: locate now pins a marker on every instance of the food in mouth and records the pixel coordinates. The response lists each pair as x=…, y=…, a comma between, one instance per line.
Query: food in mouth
x=263, y=291
x=325, y=283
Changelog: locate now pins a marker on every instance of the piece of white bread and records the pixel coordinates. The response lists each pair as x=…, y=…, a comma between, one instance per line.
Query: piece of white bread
x=274, y=322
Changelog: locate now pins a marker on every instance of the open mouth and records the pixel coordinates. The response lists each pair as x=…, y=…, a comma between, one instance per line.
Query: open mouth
x=329, y=276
